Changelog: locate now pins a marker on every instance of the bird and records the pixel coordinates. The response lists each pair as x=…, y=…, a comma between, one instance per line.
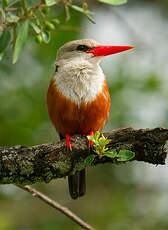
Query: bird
x=78, y=99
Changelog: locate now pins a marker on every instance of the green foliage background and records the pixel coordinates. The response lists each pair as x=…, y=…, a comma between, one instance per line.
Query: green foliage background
x=118, y=197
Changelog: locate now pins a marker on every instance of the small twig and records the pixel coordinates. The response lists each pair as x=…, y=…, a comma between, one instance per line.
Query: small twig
x=57, y=206
x=66, y=6
x=12, y=3
x=38, y=7
x=12, y=9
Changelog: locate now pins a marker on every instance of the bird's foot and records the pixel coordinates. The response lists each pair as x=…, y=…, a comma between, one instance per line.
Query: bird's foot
x=90, y=143
x=68, y=143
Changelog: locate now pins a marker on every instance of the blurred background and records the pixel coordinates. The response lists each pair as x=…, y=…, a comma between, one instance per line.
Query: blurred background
x=133, y=195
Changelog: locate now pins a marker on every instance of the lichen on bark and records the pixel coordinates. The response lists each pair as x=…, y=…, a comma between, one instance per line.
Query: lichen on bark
x=29, y=165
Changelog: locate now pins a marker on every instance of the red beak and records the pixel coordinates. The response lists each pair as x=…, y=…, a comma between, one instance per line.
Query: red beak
x=108, y=50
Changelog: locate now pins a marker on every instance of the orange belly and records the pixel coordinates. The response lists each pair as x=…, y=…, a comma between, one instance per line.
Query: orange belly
x=70, y=118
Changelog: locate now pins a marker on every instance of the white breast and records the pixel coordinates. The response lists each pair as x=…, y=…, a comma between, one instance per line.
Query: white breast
x=79, y=81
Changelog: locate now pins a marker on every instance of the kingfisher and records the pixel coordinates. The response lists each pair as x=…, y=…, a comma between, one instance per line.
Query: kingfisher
x=78, y=98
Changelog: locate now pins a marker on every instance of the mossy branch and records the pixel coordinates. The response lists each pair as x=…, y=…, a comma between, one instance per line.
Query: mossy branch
x=28, y=165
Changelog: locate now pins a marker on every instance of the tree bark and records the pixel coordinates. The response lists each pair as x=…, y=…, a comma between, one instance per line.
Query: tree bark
x=29, y=165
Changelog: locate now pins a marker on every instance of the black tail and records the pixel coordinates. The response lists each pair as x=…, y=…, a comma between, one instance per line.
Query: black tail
x=77, y=184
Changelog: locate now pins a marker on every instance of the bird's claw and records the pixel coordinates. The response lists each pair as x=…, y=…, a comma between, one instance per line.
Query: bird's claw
x=90, y=143
x=68, y=143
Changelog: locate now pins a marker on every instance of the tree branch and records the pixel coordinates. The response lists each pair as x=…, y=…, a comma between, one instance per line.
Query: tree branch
x=57, y=206
x=28, y=165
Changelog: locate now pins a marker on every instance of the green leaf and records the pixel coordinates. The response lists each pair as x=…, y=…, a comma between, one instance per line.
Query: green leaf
x=85, y=12
x=111, y=154
x=35, y=27
x=97, y=135
x=46, y=36
x=50, y=2
x=103, y=141
x=5, y=40
x=20, y=40
x=125, y=155
x=114, y=2
x=90, y=159
x=80, y=9
x=89, y=18
x=11, y=18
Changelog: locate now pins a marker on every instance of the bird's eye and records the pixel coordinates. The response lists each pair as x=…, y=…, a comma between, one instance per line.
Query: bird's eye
x=56, y=68
x=82, y=48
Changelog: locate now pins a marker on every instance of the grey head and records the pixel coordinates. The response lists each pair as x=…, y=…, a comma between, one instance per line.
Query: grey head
x=76, y=49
